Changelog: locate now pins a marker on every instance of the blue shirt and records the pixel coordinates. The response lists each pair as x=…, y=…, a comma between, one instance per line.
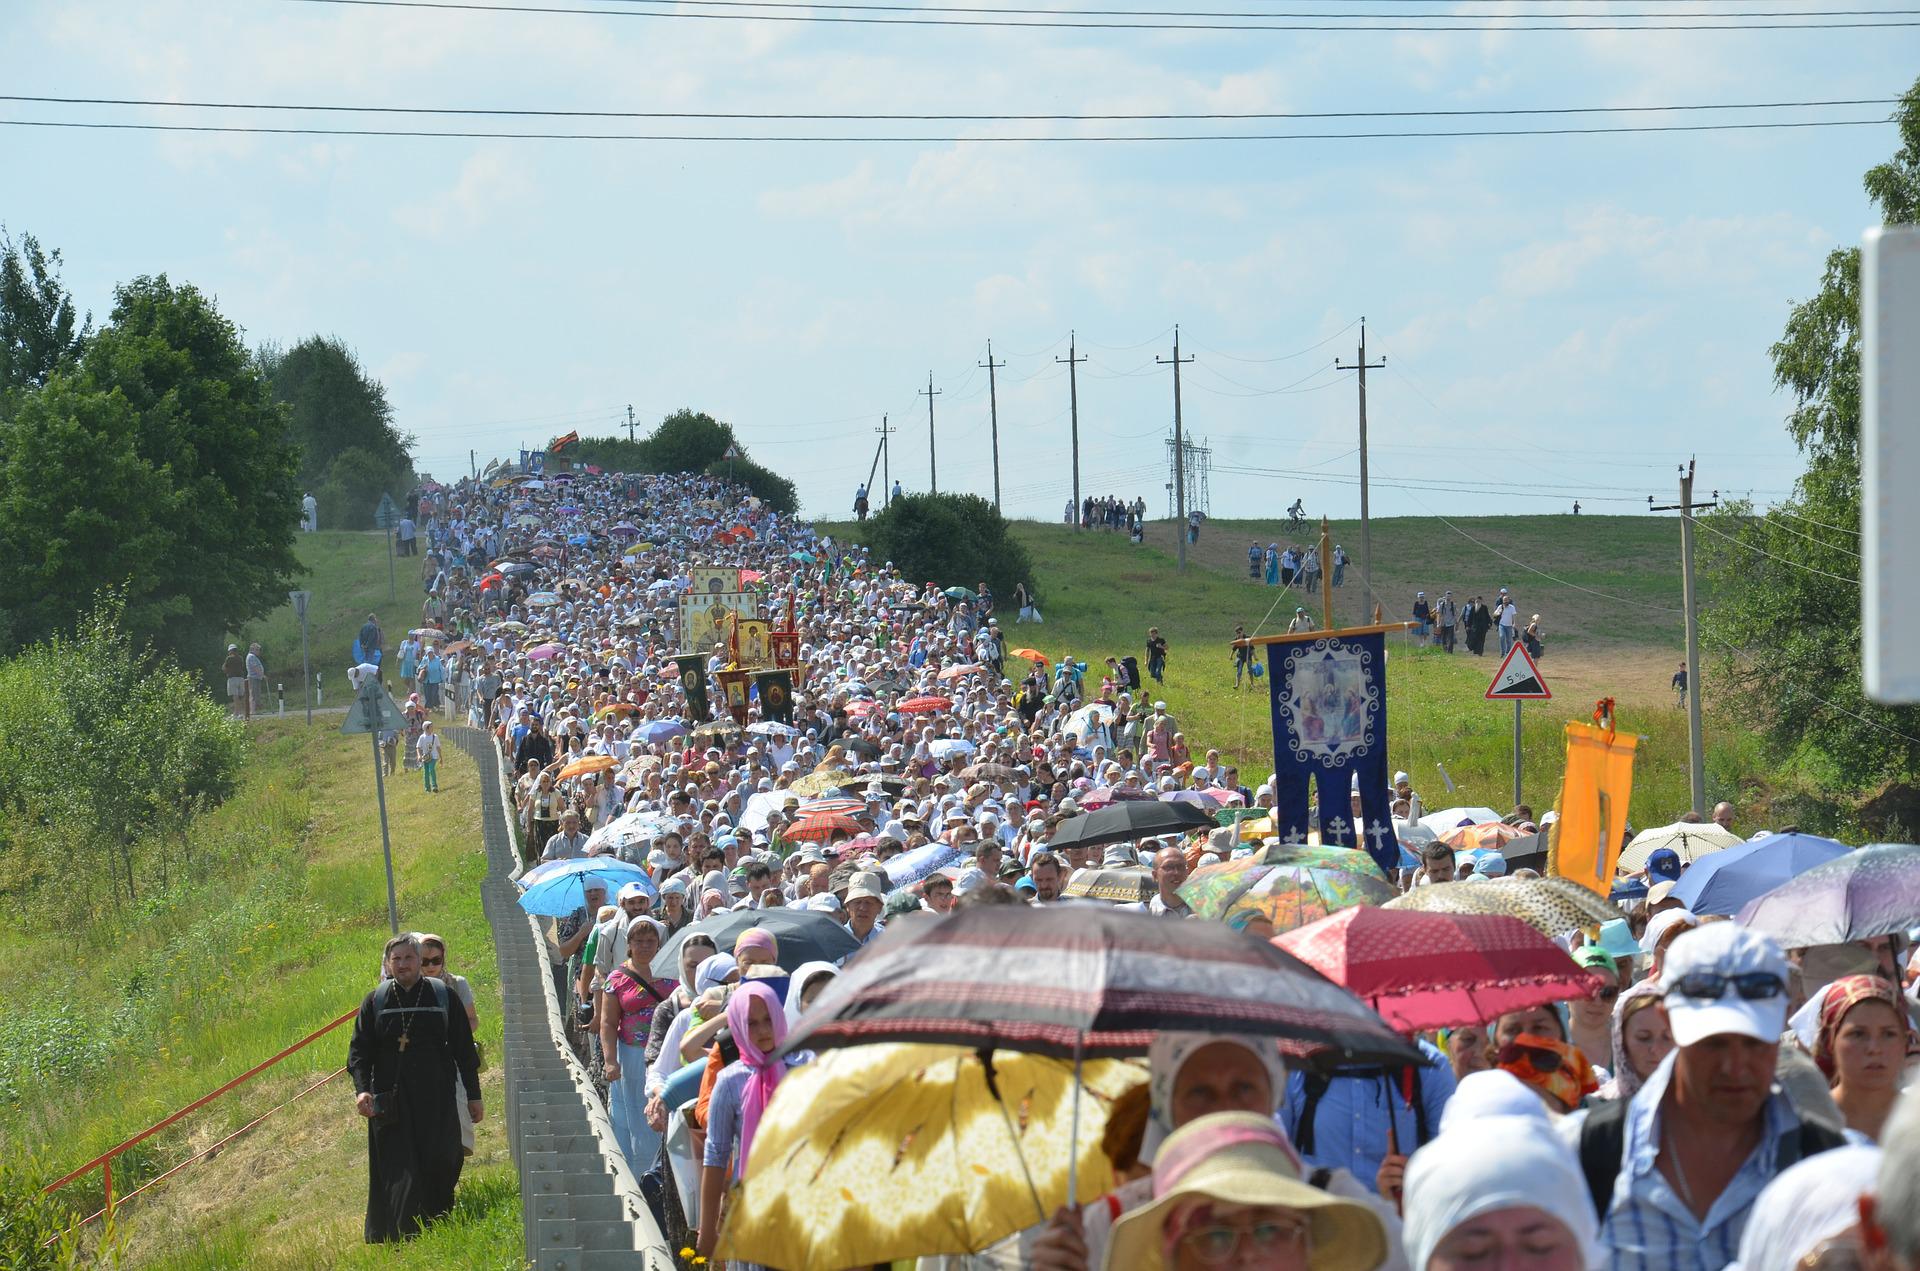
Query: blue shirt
x=1647, y=1226
x=1350, y=1123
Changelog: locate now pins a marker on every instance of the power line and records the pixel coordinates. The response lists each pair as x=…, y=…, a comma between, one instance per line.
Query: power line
x=853, y=139
x=1832, y=547
x=1489, y=22
x=1740, y=542
x=1284, y=357
x=1737, y=651
x=1837, y=529
x=1268, y=15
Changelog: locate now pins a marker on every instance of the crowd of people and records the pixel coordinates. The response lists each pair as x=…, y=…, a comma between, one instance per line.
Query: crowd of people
x=1446, y=623
x=1109, y=512
x=1698, y=1101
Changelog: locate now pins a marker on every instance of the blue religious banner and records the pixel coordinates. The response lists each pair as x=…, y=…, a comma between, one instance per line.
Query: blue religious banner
x=1329, y=700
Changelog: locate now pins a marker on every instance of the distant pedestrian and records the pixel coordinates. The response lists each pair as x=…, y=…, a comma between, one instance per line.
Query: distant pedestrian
x=370, y=640
x=256, y=681
x=1242, y=653
x=235, y=669
x=404, y=535
x=1507, y=614
x=1156, y=655
x=1310, y=569
x=1339, y=564
x=1447, y=617
x=1680, y=685
x=1301, y=622
x=309, y=514
x=1254, y=557
x=427, y=748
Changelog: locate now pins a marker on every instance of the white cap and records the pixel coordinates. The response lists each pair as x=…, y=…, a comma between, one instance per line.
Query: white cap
x=1724, y=949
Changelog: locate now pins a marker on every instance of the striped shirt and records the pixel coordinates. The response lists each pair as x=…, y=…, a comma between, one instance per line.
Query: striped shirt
x=1648, y=1227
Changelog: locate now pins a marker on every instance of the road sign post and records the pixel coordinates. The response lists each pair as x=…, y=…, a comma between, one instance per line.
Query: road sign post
x=300, y=601
x=1517, y=681
x=374, y=713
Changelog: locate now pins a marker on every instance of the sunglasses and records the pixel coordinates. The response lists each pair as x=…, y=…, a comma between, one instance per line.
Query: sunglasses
x=433, y=961
x=1543, y=1061
x=1710, y=986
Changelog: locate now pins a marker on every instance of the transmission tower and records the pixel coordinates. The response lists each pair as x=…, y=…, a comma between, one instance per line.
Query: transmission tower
x=1197, y=470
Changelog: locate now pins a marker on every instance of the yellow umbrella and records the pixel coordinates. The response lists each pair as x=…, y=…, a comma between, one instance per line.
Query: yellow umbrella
x=880, y=1152
x=822, y=781
x=1255, y=828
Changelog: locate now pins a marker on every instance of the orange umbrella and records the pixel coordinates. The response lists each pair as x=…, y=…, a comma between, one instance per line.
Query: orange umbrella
x=1033, y=655
x=589, y=763
x=1490, y=835
x=923, y=705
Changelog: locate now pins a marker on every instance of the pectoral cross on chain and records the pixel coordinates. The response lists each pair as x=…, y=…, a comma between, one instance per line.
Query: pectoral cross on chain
x=404, y=1039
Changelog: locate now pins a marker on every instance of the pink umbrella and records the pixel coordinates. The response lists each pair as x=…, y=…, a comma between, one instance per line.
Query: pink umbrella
x=1199, y=798
x=544, y=652
x=751, y=575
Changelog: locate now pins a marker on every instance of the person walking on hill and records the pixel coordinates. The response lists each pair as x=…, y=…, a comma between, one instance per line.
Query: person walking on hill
x=1339, y=564
x=1446, y=616
x=370, y=640
x=411, y=1044
x=427, y=748
x=1156, y=655
x=1508, y=615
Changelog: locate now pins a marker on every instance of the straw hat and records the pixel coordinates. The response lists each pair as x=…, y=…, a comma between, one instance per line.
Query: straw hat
x=1243, y=1158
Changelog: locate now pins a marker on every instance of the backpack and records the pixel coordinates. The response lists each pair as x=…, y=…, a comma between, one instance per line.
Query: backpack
x=1603, y=1141
x=1314, y=1087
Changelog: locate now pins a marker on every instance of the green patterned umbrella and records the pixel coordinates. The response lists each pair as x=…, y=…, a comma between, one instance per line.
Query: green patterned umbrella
x=1334, y=878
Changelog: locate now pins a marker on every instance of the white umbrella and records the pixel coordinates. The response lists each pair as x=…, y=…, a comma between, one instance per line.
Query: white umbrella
x=1691, y=839
x=759, y=806
x=1454, y=818
x=947, y=747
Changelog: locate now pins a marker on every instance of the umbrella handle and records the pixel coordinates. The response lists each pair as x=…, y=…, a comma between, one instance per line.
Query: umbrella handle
x=993, y=1088
x=1073, y=1138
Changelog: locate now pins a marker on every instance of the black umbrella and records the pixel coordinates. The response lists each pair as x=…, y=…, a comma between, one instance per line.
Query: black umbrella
x=860, y=746
x=804, y=935
x=1111, y=980
x=1129, y=820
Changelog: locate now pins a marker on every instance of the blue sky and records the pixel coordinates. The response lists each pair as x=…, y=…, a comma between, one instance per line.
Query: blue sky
x=1562, y=316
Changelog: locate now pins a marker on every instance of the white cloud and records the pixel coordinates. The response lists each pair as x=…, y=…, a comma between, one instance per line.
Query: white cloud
x=491, y=183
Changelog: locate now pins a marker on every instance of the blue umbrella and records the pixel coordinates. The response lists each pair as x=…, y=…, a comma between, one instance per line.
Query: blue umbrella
x=558, y=888
x=909, y=868
x=1724, y=881
x=661, y=729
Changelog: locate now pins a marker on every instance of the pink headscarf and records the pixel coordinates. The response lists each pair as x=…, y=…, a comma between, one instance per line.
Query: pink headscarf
x=765, y=1072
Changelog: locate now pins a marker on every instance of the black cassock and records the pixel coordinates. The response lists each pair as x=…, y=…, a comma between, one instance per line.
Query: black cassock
x=413, y=1145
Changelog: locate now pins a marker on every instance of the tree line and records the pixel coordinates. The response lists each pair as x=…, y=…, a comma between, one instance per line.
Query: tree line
x=689, y=441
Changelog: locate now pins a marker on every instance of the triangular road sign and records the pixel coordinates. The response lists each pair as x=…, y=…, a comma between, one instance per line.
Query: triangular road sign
x=1518, y=679
x=373, y=711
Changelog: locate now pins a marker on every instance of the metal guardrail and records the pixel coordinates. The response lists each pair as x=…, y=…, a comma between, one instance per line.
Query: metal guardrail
x=582, y=1206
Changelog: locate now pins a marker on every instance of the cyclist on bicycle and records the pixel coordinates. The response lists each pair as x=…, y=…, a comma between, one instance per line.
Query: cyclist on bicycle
x=1298, y=511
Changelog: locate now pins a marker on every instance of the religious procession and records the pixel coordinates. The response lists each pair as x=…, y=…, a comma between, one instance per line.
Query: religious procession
x=892, y=944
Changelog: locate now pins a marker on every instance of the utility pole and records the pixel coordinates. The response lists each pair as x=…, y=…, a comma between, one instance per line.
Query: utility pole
x=629, y=422
x=1179, y=451
x=933, y=462
x=1696, y=742
x=886, y=476
x=473, y=462
x=993, y=407
x=1073, y=409
x=1366, y=524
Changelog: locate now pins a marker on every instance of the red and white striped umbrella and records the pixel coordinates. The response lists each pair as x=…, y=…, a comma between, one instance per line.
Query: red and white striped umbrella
x=839, y=803
x=818, y=827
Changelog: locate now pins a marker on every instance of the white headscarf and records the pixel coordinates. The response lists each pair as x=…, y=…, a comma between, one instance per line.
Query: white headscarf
x=802, y=976
x=1169, y=1053
x=1804, y=1205
x=1494, y=1092
x=1455, y=1178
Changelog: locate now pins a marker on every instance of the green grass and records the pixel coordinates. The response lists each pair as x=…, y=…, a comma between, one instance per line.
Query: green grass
x=278, y=932
x=347, y=574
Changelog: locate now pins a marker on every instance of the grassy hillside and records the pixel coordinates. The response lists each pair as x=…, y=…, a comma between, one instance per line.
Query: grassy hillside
x=347, y=574
x=278, y=933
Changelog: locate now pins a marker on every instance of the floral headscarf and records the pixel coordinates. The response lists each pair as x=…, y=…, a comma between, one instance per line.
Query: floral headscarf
x=1841, y=997
x=1568, y=1076
x=1642, y=996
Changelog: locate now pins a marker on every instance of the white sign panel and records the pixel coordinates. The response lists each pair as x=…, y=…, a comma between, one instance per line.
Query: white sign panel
x=1890, y=463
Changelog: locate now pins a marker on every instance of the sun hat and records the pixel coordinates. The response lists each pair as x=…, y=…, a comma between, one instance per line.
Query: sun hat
x=1616, y=938
x=1663, y=922
x=1726, y=951
x=1243, y=1158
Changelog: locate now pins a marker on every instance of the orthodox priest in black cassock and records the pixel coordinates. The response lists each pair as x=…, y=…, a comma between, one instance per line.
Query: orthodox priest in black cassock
x=411, y=1049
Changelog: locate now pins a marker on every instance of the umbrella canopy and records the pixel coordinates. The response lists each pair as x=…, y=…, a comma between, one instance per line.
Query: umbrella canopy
x=1033, y=655
x=1872, y=892
x=1725, y=881
x=1452, y=818
x=1084, y=721
x=558, y=888
x=625, y=833
x=1126, y=821
x=960, y=669
x=803, y=935
x=960, y=593
x=828, y=805
x=1424, y=970
x=1120, y=884
x=947, y=1150
x=772, y=728
x=660, y=730
x=585, y=764
x=988, y=772
x=824, y=780
x=428, y=633
x=543, y=599
x=924, y=705
x=1490, y=836
x=805, y=558
x=1198, y=798
x=908, y=868
x=818, y=827
x=1113, y=979
x=1551, y=906
x=1691, y=839
x=716, y=730
x=945, y=748
x=616, y=708
x=1290, y=885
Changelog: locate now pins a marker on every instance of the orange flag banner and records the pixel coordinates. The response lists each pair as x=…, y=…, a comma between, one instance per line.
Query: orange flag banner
x=1585, y=842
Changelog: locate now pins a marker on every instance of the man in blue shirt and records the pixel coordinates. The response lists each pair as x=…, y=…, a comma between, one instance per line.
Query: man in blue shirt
x=1357, y=1118
x=1676, y=1171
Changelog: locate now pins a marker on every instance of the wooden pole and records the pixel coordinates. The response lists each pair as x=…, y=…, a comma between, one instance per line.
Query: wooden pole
x=1326, y=576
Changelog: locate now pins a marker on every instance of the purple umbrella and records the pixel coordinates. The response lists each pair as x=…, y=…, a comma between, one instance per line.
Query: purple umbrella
x=661, y=729
x=1872, y=892
x=543, y=652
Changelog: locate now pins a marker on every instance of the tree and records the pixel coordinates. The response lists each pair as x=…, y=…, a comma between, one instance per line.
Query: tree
x=38, y=330
x=335, y=407
x=1784, y=625
x=951, y=539
x=159, y=463
x=773, y=489
x=688, y=441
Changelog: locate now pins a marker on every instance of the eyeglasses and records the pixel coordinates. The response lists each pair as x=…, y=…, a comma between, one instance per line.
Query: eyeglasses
x=1710, y=986
x=1216, y=1245
x=1542, y=1060
x=441, y=961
